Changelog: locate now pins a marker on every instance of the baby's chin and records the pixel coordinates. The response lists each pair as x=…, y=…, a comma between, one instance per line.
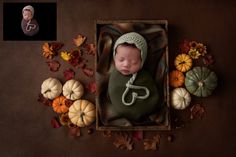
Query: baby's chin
x=125, y=72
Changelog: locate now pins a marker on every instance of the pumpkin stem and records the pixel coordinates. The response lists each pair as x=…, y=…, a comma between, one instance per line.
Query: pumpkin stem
x=200, y=83
x=48, y=90
x=82, y=116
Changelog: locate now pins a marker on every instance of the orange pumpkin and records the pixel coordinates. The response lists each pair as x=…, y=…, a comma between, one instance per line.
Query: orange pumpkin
x=176, y=78
x=59, y=104
x=183, y=62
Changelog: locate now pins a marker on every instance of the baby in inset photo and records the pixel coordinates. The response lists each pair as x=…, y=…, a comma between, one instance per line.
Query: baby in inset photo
x=131, y=89
x=29, y=25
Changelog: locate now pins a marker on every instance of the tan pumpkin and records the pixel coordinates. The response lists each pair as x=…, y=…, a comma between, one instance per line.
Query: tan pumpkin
x=176, y=78
x=59, y=105
x=82, y=113
x=180, y=98
x=51, y=88
x=73, y=89
x=183, y=62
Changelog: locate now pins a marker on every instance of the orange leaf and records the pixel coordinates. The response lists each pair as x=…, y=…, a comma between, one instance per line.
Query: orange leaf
x=79, y=40
x=90, y=49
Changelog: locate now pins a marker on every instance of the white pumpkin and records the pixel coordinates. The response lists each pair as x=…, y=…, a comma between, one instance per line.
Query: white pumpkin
x=51, y=88
x=73, y=89
x=180, y=98
x=82, y=113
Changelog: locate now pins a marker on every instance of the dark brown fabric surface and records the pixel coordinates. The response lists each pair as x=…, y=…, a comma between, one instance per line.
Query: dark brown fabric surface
x=25, y=128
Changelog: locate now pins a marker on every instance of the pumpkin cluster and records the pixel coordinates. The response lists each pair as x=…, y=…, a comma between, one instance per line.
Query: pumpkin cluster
x=66, y=101
x=187, y=79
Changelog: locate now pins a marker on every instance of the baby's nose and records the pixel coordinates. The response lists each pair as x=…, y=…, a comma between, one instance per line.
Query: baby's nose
x=126, y=64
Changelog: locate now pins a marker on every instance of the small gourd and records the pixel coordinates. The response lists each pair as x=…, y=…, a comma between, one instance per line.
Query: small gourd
x=180, y=98
x=82, y=113
x=59, y=105
x=51, y=88
x=200, y=81
x=183, y=62
x=176, y=78
x=73, y=89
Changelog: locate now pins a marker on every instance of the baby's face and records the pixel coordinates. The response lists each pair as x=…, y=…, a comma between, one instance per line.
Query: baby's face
x=27, y=15
x=127, y=60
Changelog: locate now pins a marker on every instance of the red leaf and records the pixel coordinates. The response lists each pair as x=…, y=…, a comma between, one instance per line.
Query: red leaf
x=44, y=100
x=75, y=131
x=55, y=122
x=137, y=135
x=91, y=87
x=54, y=65
x=90, y=49
x=197, y=111
x=208, y=60
x=56, y=45
x=88, y=72
x=69, y=74
x=184, y=46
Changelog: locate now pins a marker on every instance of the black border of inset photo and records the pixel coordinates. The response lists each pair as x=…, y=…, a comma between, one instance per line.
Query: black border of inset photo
x=44, y=13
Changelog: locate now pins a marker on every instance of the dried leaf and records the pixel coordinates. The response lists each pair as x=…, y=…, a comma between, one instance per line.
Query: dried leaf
x=50, y=49
x=53, y=65
x=197, y=111
x=91, y=87
x=152, y=144
x=64, y=119
x=184, y=46
x=69, y=74
x=44, y=100
x=75, y=131
x=66, y=56
x=88, y=72
x=123, y=141
x=107, y=133
x=137, y=135
x=208, y=60
x=79, y=40
x=55, y=122
x=90, y=49
x=68, y=103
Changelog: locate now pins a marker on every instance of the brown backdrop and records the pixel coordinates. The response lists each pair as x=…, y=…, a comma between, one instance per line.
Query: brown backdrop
x=25, y=124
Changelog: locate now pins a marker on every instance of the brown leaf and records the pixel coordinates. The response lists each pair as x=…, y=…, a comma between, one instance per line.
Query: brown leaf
x=69, y=74
x=64, y=119
x=107, y=133
x=44, y=100
x=51, y=49
x=152, y=144
x=79, y=40
x=90, y=49
x=91, y=87
x=123, y=141
x=53, y=65
x=55, y=46
x=197, y=111
x=184, y=46
x=88, y=72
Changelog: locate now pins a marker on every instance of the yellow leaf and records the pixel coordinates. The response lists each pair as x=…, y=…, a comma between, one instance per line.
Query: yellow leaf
x=65, y=55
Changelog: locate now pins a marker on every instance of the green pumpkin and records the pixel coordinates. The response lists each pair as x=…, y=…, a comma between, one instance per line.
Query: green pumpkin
x=200, y=81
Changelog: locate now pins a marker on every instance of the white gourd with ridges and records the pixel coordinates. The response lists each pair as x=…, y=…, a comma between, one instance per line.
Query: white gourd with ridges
x=73, y=89
x=51, y=88
x=180, y=98
x=82, y=113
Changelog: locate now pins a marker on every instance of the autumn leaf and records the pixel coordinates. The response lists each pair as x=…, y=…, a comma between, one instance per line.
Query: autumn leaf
x=79, y=40
x=137, y=135
x=123, y=141
x=107, y=133
x=184, y=46
x=197, y=111
x=88, y=72
x=91, y=87
x=90, y=49
x=208, y=60
x=55, y=46
x=51, y=49
x=64, y=119
x=53, y=65
x=44, y=100
x=152, y=144
x=55, y=122
x=69, y=74
x=75, y=131
x=66, y=56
